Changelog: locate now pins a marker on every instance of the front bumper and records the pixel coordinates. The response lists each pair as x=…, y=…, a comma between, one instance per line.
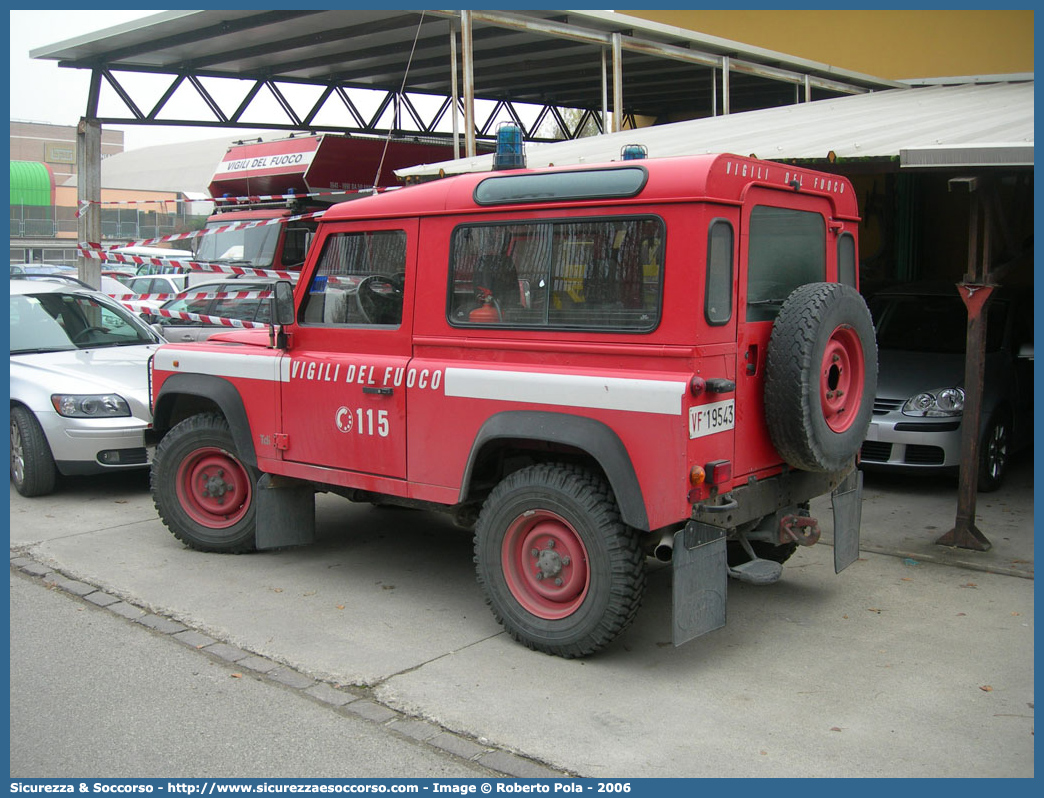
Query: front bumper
x=95, y=445
x=895, y=441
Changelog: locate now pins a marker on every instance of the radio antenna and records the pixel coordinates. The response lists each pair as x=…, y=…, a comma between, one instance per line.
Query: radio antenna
x=402, y=91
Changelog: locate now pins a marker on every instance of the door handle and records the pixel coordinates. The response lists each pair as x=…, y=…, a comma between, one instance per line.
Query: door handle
x=378, y=391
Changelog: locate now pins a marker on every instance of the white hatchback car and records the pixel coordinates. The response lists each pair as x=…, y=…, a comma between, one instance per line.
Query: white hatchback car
x=79, y=384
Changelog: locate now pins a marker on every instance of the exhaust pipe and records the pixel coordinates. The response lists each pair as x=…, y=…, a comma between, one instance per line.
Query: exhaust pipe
x=664, y=550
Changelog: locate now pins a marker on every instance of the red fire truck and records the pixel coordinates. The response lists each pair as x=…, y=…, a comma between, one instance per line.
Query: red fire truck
x=590, y=365
x=267, y=181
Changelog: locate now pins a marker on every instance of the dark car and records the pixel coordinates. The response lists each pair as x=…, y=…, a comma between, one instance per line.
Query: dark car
x=918, y=411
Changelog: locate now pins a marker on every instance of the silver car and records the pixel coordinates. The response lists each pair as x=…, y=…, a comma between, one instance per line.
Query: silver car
x=918, y=411
x=79, y=384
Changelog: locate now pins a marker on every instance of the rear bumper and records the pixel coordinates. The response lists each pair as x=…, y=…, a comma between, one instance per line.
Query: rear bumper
x=700, y=561
x=764, y=497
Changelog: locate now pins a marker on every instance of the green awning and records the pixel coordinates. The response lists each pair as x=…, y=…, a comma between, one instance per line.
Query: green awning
x=32, y=183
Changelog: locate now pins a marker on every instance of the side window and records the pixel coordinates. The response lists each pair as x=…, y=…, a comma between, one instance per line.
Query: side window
x=359, y=280
x=603, y=274
x=200, y=306
x=846, y=260
x=718, y=300
x=787, y=249
x=231, y=308
x=295, y=244
x=140, y=286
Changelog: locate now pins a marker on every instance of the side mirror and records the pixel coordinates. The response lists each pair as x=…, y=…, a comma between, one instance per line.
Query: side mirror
x=283, y=303
x=1026, y=352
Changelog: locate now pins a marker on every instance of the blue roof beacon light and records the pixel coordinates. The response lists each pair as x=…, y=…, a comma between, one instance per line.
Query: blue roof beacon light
x=634, y=152
x=510, y=153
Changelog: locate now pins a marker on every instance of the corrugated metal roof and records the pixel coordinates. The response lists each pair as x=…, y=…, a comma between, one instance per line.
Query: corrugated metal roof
x=185, y=166
x=536, y=57
x=991, y=120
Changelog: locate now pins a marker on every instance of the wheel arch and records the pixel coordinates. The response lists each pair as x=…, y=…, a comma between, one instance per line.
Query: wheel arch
x=585, y=437
x=1001, y=408
x=184, y=395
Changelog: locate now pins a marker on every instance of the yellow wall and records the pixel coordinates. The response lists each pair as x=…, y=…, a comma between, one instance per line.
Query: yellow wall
x=885, y=44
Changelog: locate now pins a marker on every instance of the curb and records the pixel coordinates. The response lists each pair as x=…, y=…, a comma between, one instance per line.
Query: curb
x=341, y=699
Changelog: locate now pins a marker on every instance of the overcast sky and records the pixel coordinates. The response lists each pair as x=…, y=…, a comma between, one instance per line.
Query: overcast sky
x=42, y=92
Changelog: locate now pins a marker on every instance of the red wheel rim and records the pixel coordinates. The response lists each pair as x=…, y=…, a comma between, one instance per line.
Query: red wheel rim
x=841, y=379
x=545, y=565
x=213, y=488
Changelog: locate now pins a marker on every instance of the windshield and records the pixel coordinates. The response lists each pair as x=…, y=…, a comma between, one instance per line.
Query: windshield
x=934, y=324
x=251, y=246
x=56, y=322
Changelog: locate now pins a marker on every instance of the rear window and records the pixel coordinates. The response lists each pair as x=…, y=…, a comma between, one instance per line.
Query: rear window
x=787, y=249
x=846, y=260
x=601, y=274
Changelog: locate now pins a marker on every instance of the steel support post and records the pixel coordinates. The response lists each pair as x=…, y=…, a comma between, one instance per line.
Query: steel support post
x=606, y=119
x=617, y=83
x=725, y=64
x=467, y=48
x=88, y=195
x=453, y=88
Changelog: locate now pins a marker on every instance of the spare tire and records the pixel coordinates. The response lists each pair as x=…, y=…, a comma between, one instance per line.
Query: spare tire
x=820, y=376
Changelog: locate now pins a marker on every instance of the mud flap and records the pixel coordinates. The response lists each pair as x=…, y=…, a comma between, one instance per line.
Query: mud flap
x=699, y=580
x=285, y=512
x=847, y=500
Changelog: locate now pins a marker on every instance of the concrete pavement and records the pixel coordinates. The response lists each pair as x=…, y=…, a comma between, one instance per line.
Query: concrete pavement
x=94, y=695
x=907, y=664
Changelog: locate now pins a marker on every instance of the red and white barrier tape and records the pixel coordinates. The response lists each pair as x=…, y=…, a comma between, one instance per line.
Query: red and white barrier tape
x=217, y=321
x=245, y=200
x=225, y=228
x=200, y=267
x=192, y=295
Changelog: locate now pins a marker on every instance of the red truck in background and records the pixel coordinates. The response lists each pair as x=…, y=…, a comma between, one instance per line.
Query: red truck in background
x=254, y=180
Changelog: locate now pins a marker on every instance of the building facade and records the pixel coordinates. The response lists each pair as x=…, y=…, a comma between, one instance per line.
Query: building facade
x=907, y=45
x=55, y=145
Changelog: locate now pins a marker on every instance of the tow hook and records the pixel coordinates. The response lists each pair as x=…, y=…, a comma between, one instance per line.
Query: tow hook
x=799, y=529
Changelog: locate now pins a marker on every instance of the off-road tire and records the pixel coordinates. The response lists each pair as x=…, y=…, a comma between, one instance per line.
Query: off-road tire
x=203, y=491
x=568, y=513
x=33, y=471
x=820, y=377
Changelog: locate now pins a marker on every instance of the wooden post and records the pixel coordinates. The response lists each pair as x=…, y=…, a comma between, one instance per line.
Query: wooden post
x=975, y=292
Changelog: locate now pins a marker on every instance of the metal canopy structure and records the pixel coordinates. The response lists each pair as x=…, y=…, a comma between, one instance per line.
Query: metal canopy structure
x=936, y=127
x=526, y=65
